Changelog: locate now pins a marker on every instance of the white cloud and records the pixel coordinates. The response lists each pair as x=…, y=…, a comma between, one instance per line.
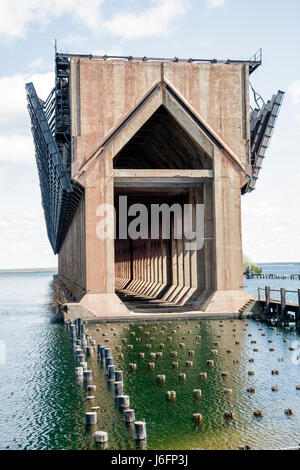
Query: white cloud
x=14, y=114
x=16, y=149
x=215, y=3
x=156, y=20
x=294, y=91
x=17, y=17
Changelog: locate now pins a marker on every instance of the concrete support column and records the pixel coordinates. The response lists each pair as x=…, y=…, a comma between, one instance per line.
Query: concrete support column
x=100, y=294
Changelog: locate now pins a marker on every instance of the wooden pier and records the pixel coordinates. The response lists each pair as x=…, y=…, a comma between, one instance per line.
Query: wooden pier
x=280, y=310
x=292, y=277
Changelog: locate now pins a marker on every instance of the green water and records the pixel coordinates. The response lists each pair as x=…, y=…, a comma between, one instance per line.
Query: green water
x=42, y=404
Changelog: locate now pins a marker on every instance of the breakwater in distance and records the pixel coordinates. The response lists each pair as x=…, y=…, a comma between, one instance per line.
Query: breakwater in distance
x=24, y=271
x=43, y=404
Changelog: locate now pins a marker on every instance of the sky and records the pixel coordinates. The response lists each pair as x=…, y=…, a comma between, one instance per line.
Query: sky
x=209, y=29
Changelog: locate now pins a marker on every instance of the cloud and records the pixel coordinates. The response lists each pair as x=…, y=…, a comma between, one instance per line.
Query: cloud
x=155, y=20
x=16, y=17
x=16, y=149
x=294, y=91
x=215, y=3
x=14, y=114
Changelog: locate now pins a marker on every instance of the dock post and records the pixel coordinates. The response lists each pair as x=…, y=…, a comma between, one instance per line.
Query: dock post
x=298, y=311
x=283, y=305
x=268, y=300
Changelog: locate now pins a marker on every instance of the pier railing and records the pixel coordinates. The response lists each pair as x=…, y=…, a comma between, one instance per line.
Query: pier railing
x=280, y=308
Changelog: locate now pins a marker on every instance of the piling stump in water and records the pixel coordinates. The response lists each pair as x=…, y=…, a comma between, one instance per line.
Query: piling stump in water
x=118, y=389
x=197, y=418
x=129, y=416
x=107, y=352
x=80, y=358
x=161, y=378
x=171, y=395
x=119, y=375
x=100, y=437
x=140, y=430
x=101, y=353
x=83, y=364
x=79, y=371
x=109, y=361
x=90, y=398
x=87, y=375
x=123, y=401
x=111, y=373
x=89, y=350
x=90, y=418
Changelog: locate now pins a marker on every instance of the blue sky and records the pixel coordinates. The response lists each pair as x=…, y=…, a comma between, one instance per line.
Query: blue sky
x=166, y=28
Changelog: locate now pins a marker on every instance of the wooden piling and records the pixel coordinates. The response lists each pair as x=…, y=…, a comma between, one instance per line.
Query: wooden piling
x=129, y=416
x=111, y=373
x=119, y=375
x=100, y=437
x=298, y=311
x=118, y=389
x=140, y=430
x=90, y=418
x=123, y=401
x=268, y=300
x=283, y=305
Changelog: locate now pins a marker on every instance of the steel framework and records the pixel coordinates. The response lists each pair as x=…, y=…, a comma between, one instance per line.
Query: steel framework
x=50, y=120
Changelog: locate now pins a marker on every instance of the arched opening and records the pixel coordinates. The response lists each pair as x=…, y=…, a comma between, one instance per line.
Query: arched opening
x=163, y=272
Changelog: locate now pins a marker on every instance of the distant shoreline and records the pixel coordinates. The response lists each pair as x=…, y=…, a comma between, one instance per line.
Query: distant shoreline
x=23, y=271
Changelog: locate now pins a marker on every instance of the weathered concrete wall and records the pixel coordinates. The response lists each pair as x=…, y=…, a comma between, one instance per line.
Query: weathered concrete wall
x=220, y=94
x=227, y=222
x=71, y=258
x=104, y=92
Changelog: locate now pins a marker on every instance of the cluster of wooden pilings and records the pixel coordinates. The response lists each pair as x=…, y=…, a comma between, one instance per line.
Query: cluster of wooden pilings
x=280, y=310
x=84, y=346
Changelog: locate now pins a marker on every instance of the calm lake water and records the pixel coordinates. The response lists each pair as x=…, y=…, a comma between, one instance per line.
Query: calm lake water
x=251, y=285
x=42, y=405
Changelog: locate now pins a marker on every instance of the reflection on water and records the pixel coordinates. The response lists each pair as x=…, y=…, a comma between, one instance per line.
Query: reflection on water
x=42, y=405
x=169, y=424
